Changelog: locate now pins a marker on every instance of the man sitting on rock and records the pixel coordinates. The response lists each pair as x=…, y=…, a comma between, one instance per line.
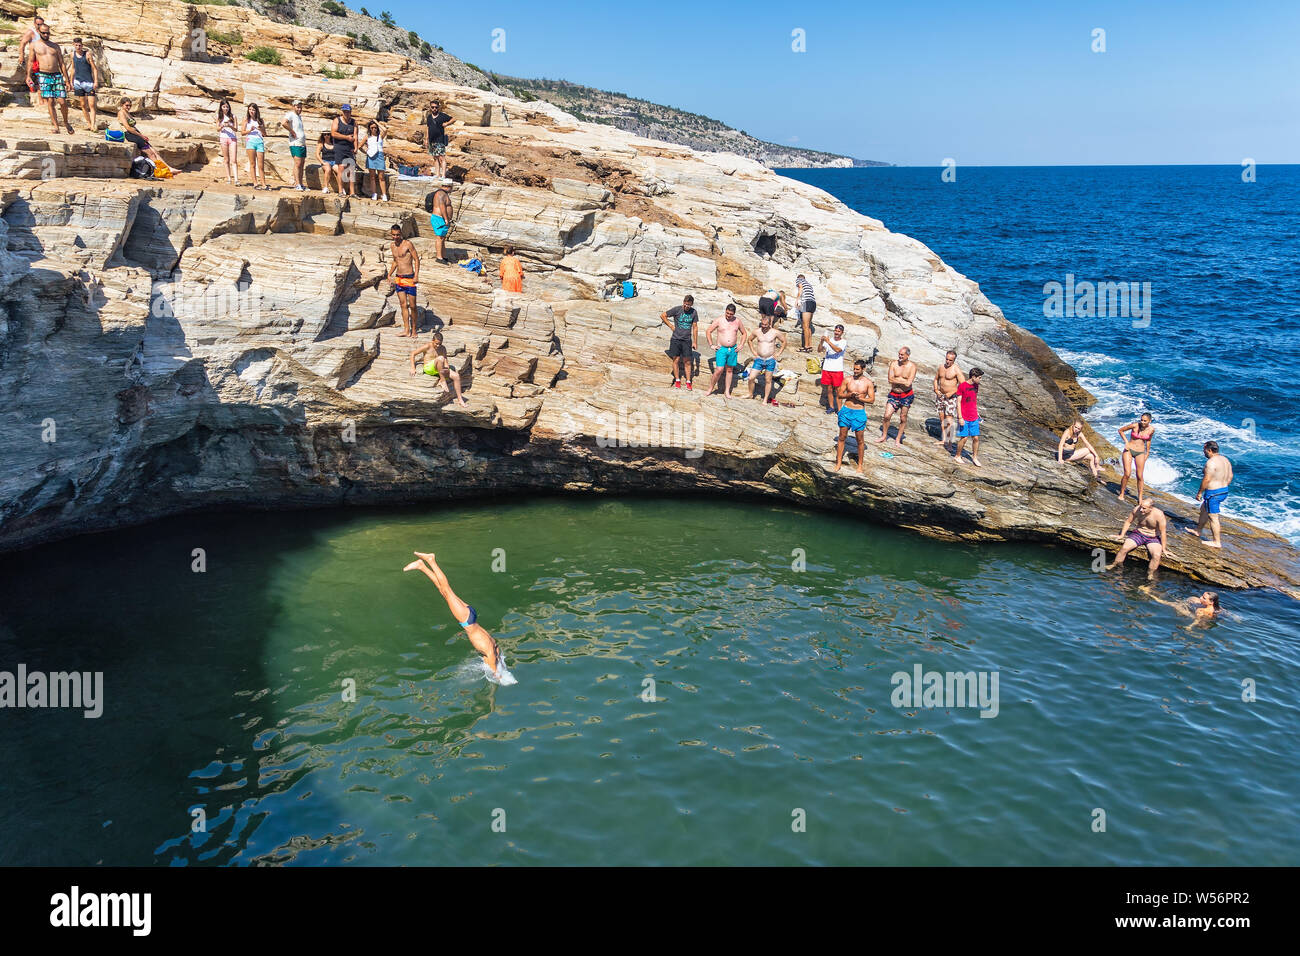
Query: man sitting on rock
x=436, y=364
x=1149, y=533
x=405, y=276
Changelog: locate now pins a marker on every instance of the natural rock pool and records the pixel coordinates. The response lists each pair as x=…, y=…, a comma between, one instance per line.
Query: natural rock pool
x=772, y=736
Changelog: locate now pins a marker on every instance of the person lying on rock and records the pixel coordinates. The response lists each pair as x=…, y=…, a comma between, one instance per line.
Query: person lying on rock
x=464, y=614
x=405, y=276
x=1149, y=527
x=436, y=363
x=1073, y=443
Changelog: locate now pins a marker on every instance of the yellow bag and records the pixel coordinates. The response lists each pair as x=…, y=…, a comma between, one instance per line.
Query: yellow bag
x=161, y=170
x=813, y=366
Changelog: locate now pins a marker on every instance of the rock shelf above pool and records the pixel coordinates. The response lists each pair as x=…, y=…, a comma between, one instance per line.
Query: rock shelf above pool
x=186, y=344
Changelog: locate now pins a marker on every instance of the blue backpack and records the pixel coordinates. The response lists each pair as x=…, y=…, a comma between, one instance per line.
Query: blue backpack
x=629, y=289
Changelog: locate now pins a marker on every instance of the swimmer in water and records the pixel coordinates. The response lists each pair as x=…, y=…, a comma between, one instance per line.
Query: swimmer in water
x=464, y=614
x=1202, y=608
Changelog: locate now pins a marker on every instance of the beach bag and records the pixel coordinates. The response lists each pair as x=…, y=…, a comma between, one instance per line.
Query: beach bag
x=474, y=265
x=813, y=366
x=629, y=289
x=141, y=168
x=114, y=136
x=161, y=170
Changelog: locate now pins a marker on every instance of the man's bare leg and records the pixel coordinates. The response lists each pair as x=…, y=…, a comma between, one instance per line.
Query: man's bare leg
x=1123, y=553
x=902, y=426
x=455, y=385
x=975, y=451
x=884, y=424
x=477, y=635
x=1214, y=531
x=1153, y=565
x=860, y=436
x=839, y=447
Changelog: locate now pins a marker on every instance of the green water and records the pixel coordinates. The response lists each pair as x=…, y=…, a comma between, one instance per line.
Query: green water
x=223, y=689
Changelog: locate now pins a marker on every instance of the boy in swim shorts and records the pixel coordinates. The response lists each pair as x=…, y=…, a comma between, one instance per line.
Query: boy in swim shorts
x=464, y=614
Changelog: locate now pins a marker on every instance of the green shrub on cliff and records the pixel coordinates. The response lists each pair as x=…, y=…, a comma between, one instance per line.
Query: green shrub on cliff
x=233, y=38
x=334, y=9
x=264, y=54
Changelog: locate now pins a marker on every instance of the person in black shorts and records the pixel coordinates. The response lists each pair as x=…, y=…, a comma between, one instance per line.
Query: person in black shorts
x=685, y=323
x=435, y=137
x=344, y=133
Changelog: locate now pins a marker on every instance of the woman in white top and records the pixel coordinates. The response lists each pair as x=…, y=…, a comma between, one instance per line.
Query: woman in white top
x=833, y=347
x=255, y=143
x=373, y=147
x=228, y=138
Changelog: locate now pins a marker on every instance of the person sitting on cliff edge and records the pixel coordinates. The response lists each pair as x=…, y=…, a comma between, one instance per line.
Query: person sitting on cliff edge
x=1149, y=526
x=436, y=363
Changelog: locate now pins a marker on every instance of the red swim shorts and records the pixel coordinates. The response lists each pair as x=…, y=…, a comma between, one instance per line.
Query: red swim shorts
x=833, y=379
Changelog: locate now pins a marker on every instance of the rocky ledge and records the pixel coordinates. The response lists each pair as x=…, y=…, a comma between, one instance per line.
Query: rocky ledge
x=177, y=345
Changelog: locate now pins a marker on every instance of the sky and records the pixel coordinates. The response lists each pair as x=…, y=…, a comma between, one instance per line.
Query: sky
x=981, y=82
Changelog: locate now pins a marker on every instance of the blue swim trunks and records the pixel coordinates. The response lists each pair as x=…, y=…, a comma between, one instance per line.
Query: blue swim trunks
x=725, y=356
x=854, y=419
x=969, y=429
x=439, y=225
x=764, y=365
x=473, y=616
x=1214, y=499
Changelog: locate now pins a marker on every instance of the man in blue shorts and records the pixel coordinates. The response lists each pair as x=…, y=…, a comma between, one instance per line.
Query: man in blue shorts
x=731, y=336
x=855, y=393
x=1215, y=479
x=768, y=345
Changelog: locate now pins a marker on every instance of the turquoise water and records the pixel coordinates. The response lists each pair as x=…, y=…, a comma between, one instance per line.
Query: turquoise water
x=773, y=685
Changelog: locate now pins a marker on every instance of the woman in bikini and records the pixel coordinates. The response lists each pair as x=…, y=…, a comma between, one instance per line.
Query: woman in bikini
x=1073, y=443
x=1202, y=608
x=1137, y=446
x=129, y=131
x=228, y=137
x=464, y=614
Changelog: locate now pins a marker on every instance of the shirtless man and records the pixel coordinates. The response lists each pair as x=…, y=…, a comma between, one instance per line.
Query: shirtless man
x=441, y=222
x=52, y=76
x=1215, y=479
x=768, y=343
x=855, y=393
x=30, y=35
x=405, y=276
x=465, y=615
x=435, y=362
x=1149, y=529
x=946, y=381
x=731, y=335
x=902, y=373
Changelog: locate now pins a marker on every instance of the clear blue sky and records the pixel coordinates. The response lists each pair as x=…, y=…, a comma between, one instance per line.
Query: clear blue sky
x=913, y=83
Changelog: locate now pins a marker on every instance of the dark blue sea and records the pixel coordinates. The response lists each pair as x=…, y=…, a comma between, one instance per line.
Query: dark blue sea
x=1216, y=360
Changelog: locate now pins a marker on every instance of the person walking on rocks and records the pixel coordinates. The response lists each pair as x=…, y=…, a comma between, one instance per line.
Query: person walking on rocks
x=968, y=411
x=685, y=323
x=440, y=220
x=465, y=616
x=344, y=133
x=768, y=344
x=833, y=347
x=51, y=76
x=31, y=68
x=902, y=373
x=293, y=122
x=1078, y=447
x=1149, y=526
x=1215, y=479
x=85, y=81
x=435, y=137
x=255, y=145
x=731, y=334
x=436, y=363
x=511, y=271
x=946, y=381
x=405, y=276
x=805, y=304
x=228, y=140
x=857, y=391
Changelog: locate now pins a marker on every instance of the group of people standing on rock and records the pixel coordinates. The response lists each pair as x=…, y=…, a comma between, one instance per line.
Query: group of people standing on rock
x=52, y=78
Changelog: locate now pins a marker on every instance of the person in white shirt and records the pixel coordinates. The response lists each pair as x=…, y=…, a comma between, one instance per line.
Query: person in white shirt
x=373, y=147
x=832, y=347
x=297, y=142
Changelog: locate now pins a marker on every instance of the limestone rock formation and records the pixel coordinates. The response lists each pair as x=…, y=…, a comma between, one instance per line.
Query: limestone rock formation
x=187, y=344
